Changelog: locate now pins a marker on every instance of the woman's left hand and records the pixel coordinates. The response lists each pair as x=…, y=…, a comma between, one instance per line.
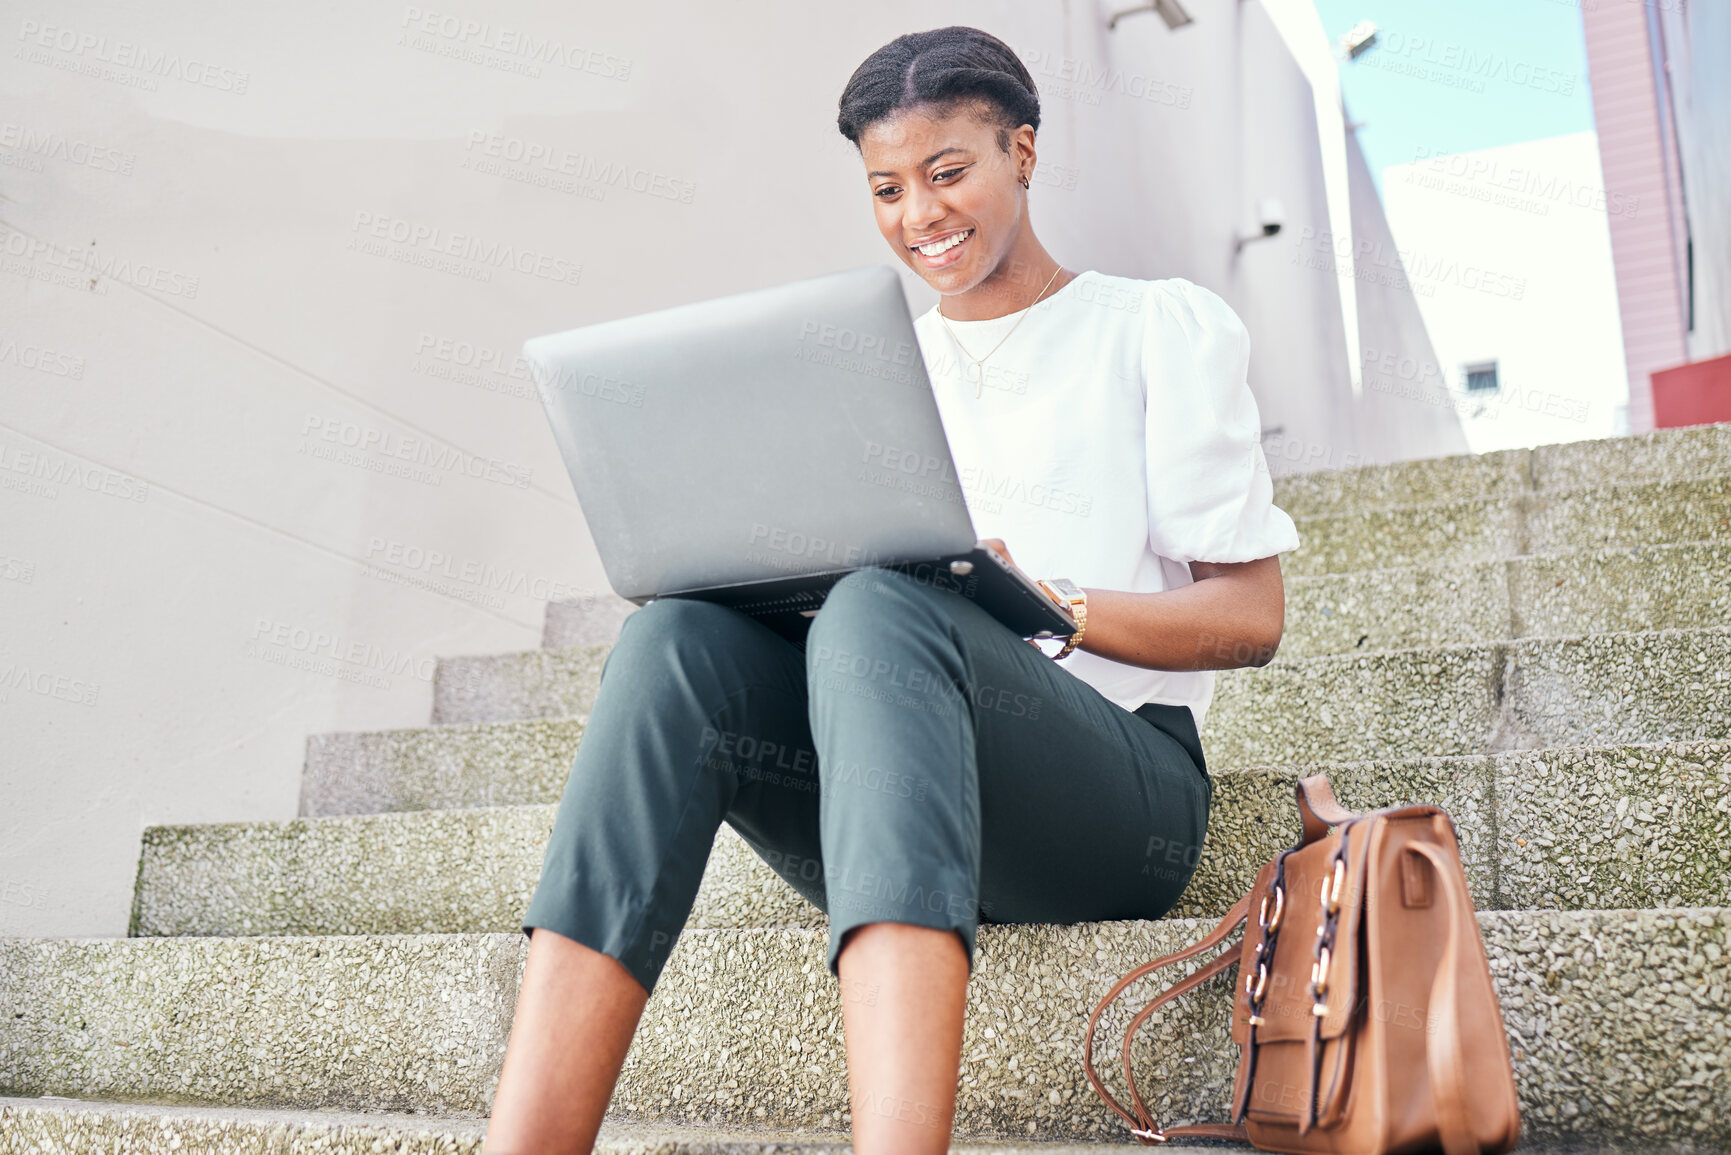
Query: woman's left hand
x=996, y=544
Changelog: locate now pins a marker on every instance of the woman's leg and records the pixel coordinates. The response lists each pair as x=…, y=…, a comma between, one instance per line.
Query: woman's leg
x=697, y=706
x=967, y=776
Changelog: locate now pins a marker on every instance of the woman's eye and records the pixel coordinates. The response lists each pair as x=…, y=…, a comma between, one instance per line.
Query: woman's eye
x=885, y=189
x=946, y=172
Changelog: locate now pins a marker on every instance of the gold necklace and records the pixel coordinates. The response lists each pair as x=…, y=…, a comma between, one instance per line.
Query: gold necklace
x=978, y=372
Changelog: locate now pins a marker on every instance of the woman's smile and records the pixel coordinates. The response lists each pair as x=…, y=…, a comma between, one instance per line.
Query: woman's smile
x=943, y=249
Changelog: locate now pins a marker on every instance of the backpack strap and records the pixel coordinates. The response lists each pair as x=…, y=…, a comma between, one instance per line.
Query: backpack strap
x=1142, y=1122
x=1317, y=808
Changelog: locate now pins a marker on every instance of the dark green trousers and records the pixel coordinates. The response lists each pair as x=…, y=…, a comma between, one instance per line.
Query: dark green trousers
x=914, y=762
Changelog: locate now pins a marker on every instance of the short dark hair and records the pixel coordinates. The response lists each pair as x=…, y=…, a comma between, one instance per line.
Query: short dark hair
x=943, y=68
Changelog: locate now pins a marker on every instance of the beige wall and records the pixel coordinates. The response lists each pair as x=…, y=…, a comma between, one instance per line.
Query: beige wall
x=264, y=448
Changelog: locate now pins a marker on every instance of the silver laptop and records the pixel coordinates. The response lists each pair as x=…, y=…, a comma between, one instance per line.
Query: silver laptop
x=753, y=449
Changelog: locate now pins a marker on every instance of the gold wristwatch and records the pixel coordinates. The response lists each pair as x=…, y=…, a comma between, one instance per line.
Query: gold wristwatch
x=1070, y=594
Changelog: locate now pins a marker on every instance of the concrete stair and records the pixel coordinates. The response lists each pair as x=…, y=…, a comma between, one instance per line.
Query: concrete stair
x=1437, y=700
x=1616, y=1020
x=1537, y=639
x=35, y=1126
x=474, y=869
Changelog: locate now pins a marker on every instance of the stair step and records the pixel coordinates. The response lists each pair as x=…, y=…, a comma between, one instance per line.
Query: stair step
x=1486, y=529
x=1442, y=700
x=1659, y=455
x=586, y=621
x=439, y=767
x=1616, y=1024
x=505, y=687
x=1593, y=591
x=41, y=1126
x=1615, y=590
x=1598, y=690
x=1564, y=828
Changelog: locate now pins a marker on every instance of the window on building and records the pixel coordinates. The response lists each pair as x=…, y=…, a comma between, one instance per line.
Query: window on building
x=1481, y=377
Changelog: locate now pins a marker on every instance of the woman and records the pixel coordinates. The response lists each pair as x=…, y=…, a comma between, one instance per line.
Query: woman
x=944, y=771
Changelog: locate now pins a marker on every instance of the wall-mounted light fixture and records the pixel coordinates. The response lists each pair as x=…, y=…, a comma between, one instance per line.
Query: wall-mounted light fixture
x=1270, y=219
x=1170, y=11
x=1360, y=40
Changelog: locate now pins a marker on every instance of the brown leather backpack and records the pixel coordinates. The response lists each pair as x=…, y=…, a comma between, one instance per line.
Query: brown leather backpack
x=1364, y=1011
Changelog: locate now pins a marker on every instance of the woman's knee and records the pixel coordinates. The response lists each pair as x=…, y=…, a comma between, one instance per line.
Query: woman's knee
x=866, y=601
x=677, y=628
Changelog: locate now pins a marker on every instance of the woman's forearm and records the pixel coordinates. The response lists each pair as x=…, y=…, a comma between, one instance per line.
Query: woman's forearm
x=1232, y=617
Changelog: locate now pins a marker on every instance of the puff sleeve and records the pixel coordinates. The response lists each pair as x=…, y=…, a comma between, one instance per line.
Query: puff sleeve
x=1210, y=496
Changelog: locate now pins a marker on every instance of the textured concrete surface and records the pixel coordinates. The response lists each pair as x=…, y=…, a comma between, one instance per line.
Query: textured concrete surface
x=1614, y=688
x=419, y=872
x=1471, y=604
x=1660, y=455
x=411, y=872
x=1617, y=1025
x=592, y=621
x=1400, y=608
x=1568, y=828
x=538, y=684
x=1459, y=533
x=1653, y=686
x=1647, y=513
x=1484, y=529
x=1615, y=826
x=433, y=767
x=1621, y=588
x=1656, y=587
x=1426, y=481
x=1442, y=700
x=73, y=1127
x=1548, y=595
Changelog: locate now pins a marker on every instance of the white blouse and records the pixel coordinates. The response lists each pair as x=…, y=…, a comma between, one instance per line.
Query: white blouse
x=1114, y=440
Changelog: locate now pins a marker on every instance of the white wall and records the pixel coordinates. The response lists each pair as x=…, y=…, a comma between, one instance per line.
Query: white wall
x=202, y=306
x=1509, y=253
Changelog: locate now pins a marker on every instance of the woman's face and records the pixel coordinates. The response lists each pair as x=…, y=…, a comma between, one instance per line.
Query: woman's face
x=942, y=179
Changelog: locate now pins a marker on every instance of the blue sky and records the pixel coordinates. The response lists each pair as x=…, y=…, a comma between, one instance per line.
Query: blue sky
x=1454, y=75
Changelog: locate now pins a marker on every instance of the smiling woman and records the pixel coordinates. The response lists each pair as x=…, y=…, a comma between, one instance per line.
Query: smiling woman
x=1103, y=424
